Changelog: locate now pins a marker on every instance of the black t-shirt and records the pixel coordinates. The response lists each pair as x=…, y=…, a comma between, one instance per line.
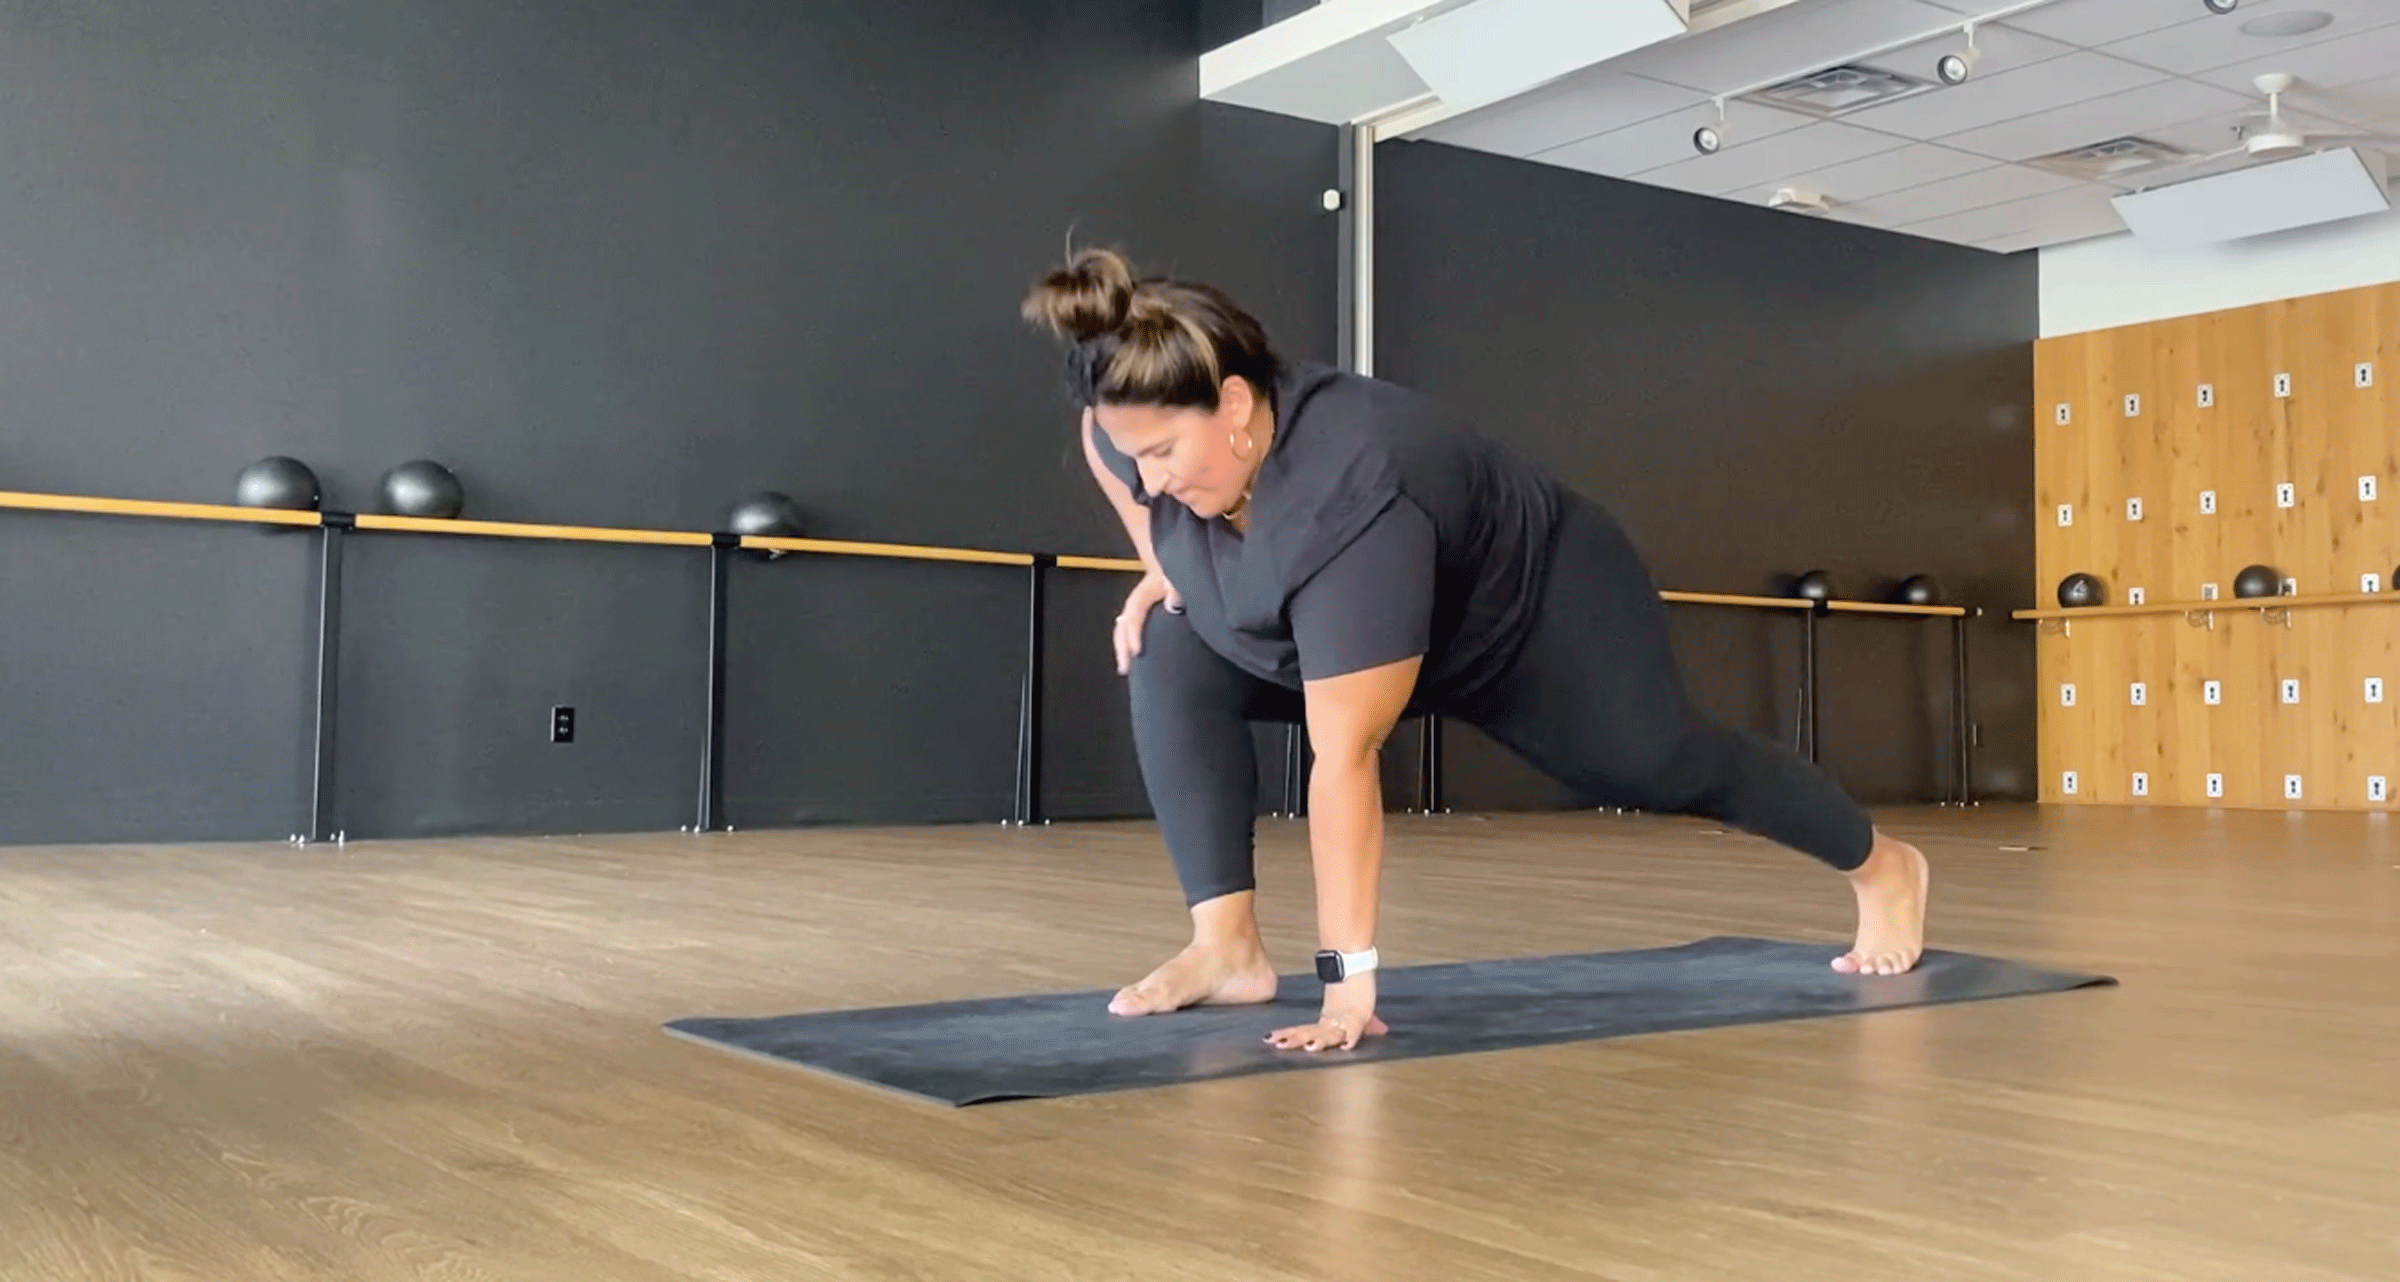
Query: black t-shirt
x=1378, y=532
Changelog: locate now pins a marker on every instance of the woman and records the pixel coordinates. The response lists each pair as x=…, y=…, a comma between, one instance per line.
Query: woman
x=1330, y=552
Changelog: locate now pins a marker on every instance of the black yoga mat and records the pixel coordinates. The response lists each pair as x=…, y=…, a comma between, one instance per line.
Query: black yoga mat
x=1013, y=1048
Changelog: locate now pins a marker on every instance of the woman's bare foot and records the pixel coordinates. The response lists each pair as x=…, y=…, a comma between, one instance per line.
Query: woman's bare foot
x=1225, y=964
x=1200, y=975
x=1891, y=888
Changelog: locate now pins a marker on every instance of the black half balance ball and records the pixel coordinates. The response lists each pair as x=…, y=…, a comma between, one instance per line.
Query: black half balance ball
x=1920, y=589
x=422, y=487
x=278, y=482
x=2257, y=580
x=1816, y=585
x=768, y=515
x=2080, y=591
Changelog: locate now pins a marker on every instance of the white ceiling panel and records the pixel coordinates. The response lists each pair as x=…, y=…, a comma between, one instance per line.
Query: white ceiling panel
x=1942, y=162
x=1988, y=100
x=1994, y=186
x=2097, y=22
x=1663, y=140
x=2190, y=48
x=2330, y=64
x=1997, y=50
x=1786, y=42
x=1815, y=147
x=2135, y=111
x=2072, y=214
x=1574, y=109
x=1909, y=165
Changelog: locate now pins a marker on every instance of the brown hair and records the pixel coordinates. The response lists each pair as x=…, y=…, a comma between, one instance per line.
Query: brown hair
x=1149, y=341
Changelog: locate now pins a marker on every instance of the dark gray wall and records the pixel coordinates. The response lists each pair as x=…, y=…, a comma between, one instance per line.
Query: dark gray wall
x=617, y=263
x=1755, y=394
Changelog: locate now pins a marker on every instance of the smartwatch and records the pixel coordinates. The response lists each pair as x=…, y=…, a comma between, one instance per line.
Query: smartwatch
x=1334, y=967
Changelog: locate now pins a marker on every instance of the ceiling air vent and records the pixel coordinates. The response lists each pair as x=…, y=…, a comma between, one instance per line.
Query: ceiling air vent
x=2100, y=161
x=1839, y=89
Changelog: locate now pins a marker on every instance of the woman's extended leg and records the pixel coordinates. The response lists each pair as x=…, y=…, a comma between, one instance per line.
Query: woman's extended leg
x=1191, y=731
x=1596, y=701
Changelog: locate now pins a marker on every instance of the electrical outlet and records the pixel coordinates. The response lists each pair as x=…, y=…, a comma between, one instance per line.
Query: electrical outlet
x=2134, y=596
x=2141, y=784
x=2208, y=395
x=2370, y=582
x=562, y=724
x=2212, y=693
x=2376, y=791
x=2133, y=509
x=2283, y=385
x=2363, y=374
x=2291, y=587
x=2141, y=695
x=2366, y=489
x=2208, y=591
x=2133, y=404
x=2066, y=783
x=2208, y=502
x=2286, y=495
x=2216, y=785
x=2291, y=788
x=2064, y=414
x=2291, y=689
x=2374, y=689
x=2066, y=695
x=2066, y=515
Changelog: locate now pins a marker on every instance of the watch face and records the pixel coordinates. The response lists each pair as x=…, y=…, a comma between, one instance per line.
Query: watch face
x=1329, y=967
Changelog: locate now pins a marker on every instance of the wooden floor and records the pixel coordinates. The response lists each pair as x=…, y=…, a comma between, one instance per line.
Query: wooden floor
x=442, y=1060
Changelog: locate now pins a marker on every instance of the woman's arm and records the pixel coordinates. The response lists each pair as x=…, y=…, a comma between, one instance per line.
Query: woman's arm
x=1363, y=626
x=1120, y=496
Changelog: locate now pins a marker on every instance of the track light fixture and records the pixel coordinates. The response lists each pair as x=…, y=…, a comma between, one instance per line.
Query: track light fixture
x=1709, y=139
x=1954, y=67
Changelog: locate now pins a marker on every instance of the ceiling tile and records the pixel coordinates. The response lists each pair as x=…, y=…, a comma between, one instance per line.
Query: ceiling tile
x=1580, y=107
x=1909, y=165
x=1991, y=186
x=1783, y=43
x=1997, y=50
x=2373, y=103
x=2213, y=42
x=2327, y=65
x=2096, y=22
x=1988, y=100
x=2074, y=214
x=1663, y=140
x=2077, y=124
x=1814, y=147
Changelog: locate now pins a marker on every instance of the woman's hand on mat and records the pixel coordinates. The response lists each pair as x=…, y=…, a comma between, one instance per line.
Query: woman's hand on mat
x=1146, y=594
x=1347, y=1019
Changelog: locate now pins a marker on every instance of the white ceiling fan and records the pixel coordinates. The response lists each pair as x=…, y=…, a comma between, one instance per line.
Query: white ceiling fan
x=2275, y=138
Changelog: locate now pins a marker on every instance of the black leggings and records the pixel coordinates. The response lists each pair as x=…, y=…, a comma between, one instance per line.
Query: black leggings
x=1594, y=700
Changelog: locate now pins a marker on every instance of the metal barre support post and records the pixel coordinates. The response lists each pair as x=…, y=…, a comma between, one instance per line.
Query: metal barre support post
x=321, y=795
x=710, y=812
x=1029, y=707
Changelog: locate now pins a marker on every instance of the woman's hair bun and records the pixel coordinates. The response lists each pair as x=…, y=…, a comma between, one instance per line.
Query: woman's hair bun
x=1088, y=297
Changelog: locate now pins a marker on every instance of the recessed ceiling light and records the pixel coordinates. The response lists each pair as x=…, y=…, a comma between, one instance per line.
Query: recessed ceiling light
x=2291, y=22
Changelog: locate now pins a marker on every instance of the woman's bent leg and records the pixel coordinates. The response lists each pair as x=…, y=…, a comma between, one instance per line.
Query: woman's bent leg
x=1596, y=700
x=1192, y=711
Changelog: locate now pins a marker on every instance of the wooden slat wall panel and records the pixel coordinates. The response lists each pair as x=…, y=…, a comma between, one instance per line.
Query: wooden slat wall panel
x=2242, y=440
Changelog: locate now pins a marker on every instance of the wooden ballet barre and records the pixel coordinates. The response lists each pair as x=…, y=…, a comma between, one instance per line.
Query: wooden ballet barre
x=1880, y=607
x=154, y=508
x=912, y=552
x=1721, y=598
x=2220, y=605
x=1125, y=564
x=522, y=530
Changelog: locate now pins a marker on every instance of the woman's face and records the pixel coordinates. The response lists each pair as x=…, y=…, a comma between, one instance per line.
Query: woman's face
x=1200, y=458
